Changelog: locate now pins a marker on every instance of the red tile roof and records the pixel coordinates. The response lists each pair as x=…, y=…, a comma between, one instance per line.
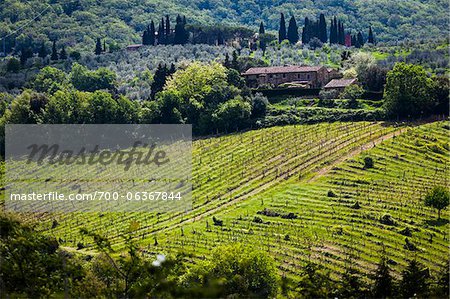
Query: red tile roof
x=340, y=83
x=281, y=70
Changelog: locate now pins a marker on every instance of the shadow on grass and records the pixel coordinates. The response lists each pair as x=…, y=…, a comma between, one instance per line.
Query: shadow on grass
x=437, y=222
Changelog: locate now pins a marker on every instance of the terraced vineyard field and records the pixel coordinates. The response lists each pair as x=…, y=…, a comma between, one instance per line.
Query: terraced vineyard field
x=299, y=192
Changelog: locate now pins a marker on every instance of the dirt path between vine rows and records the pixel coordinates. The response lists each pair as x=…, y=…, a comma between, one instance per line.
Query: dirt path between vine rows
x=356, y=152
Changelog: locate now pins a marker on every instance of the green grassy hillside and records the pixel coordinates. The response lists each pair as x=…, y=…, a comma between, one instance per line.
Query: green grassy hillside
x=299, y=192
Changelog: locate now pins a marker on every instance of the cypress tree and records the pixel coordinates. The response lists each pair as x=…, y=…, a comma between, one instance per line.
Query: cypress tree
x=181, y=35
x=234, y=61
x=98, y=47
x=54, y=55
x=261, y=28
x=383, y=281
x=226, y=63
x=151, y=34
x=63, y=54
x=292, y=33
x=305, y=32
x=360, y=39
x=184, y=20
x=331, y=32
x=161, y=39
x=220, y=40
x=341, y=33
x=172, y=70
x=282, y=30
x=336, y=31
x=145, y=37
x=167, y=25
x=354, y=41
x=104, y=45
x=323, y=29
x=25, y=53
x=414, y=280
x=42, y=51
x=159, y=80
x=370, y=38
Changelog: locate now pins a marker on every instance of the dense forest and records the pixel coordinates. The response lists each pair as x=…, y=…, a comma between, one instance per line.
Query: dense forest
x=80, y=22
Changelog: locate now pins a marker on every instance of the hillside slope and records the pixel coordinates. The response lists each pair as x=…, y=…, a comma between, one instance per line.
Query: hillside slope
x=75, y=22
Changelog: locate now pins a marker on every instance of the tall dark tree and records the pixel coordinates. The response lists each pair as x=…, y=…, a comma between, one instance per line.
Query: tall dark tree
x=54, y=55
x=360, y=39
x=220, y=40
x=370, y=39
x=145, y=38
x=323, y=36
x=42, y=51
x=383, y=281
x=167, y=25
x=414, y=280
x=159, y=80
x=341, y=33
x=63, y=54
x=227, y=63
x=336, y=31
x=282, y=30
x=98, y=47
x=172, y=70
x=332, y=32
x=25, y=53
x=151, y=34
x=234, y=61
x=161, y=34
x=181, y=35
x=261, y=28
x=292, y=33
x=306, y=32
x=354, y=42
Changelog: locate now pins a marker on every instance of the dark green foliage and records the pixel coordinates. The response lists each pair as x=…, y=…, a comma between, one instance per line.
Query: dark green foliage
x=31, y=264
x=259, y=105
x=261, y=28
x=351, y=284
x=161, y=34
x=86, y=80
x=323, y=35
x=42, y=51
x=54, y=55
x=292, y=33
x=442, y=283
x=217, y=222
x=408, y=91
x=50, y=80
x=360, y=39
x=438, y=198
x=441, y=88
x=167, y=25
x=235, y=271
x=75, y=55
x=414, y=280
x=370, y=38
x=13, y=65
x=181, y=34
x=383, y=282
x=98, y=47
x=63, y=54
x=315, y=282
x=282, y=29
x=159, y=80
x=25, y=54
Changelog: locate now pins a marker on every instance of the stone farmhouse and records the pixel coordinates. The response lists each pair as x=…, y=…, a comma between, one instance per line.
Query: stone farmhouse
x=309, y=77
